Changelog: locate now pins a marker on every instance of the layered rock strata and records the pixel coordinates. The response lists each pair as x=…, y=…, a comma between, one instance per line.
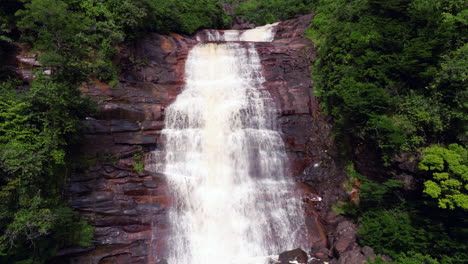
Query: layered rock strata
x=128, y=204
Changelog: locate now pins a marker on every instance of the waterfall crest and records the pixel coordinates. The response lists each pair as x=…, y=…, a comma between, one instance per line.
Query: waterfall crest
x=225, y=160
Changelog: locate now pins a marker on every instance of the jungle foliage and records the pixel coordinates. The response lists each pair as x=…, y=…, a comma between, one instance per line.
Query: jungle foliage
x=393, y=72
x=400, y=221
x=263, y=12
x=38, y=127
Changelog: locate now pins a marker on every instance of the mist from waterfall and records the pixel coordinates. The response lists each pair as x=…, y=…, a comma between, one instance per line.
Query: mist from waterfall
x=226, y=163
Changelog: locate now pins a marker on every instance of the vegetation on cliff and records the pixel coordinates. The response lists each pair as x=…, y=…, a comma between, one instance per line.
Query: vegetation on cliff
x=393, y=75
x=393, y=72
x=269, y=11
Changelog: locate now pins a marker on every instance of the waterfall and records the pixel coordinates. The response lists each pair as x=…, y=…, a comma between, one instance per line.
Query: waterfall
x=225, y=160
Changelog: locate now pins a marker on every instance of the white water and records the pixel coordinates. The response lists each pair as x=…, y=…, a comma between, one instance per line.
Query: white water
x=225, y=161
x=258, y=34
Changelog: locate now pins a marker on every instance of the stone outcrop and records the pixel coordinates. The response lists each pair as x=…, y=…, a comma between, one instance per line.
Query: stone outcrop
x=118, y=189
x=293, y=256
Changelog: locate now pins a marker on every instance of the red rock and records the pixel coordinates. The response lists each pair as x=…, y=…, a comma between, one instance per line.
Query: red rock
x=297, y=255
x=346, y=237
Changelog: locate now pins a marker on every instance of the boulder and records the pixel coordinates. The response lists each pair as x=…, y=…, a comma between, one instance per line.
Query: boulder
x=346, y=235
x=350, y=257
x=293, y=256
x=368, y=252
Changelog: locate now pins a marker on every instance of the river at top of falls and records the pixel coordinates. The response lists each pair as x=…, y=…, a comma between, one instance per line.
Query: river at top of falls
x=225, y=162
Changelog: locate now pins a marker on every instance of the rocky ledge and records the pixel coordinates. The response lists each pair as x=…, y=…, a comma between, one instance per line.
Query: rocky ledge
x=117, y=190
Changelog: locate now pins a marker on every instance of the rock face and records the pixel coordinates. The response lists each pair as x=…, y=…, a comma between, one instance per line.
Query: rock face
x=293, y=256
x=127, y=204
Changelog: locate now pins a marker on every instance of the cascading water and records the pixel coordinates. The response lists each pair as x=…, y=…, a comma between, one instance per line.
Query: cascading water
x=225, y=161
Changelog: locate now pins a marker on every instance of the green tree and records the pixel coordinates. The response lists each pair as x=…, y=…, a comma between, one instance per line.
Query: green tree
x=263, y=12
x=186, y=16
x=37, y=129
x=392, y=72
x=449, y=171
x=59, y=34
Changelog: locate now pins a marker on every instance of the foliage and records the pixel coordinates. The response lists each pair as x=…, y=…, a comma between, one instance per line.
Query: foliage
x=58, y=33
x=79, y=38
x=392, y=72
x=394, y=231
x=449, y=171
x=378, y=226
x=415, y=258
x=410, y=257
x=186, y=16
x=263, y=12
x=138, y=163
x=395, y=221
x=36, y=129
x=375, y=194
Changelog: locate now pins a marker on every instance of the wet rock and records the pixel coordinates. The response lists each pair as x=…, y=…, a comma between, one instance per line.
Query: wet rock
x=297, y=255
x=323, y=254
x=121, y=111
x=117, y=174
x=117, y=259
x=150, y=184
x=109, y=169
x=288, y=31
x=240, y=23
x=87, y=187
x=83, y=177
x=73, y=251
x=93, y=126
x=350, y=257
x=152, y=125
x=150, y=208
x=346, y=237
x=317, y=261
x=139, y=248
x=135, y=139
x=368, y=252
x=134, y=189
